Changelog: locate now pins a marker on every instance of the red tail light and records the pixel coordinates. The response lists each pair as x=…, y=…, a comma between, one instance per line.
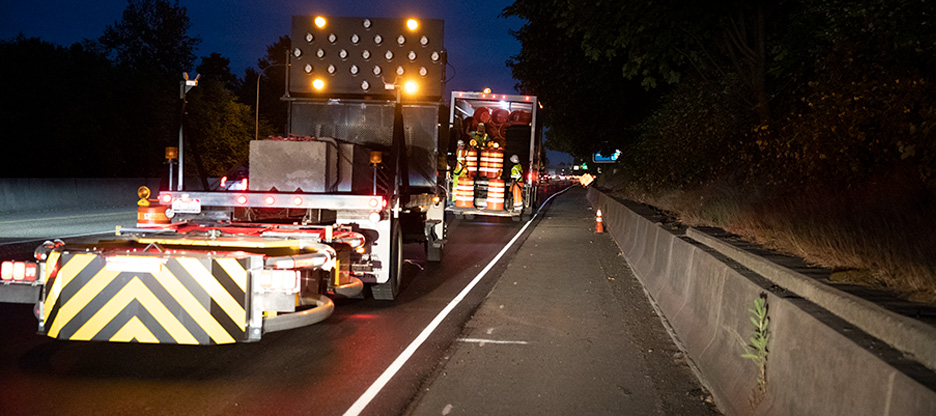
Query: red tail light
x=30, y=275
x=223, y=182
x=18, y=270
x=6, y=270
x=166, y=199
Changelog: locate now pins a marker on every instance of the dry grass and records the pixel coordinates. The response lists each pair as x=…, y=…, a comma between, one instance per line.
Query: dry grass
x=881, y=232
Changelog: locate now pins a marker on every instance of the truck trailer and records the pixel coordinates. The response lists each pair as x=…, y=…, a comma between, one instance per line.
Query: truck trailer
x=488, y=129
x=325, y=213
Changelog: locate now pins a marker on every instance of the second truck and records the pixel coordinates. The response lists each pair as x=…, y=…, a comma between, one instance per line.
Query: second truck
x=498, y=154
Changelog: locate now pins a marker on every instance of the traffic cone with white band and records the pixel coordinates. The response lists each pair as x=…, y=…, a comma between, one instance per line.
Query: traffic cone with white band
x=599, y=224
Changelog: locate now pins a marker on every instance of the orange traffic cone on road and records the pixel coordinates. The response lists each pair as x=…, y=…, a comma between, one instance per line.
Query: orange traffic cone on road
x=599, y=224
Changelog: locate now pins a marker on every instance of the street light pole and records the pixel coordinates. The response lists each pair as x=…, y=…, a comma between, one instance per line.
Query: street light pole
x=257, y=106
x=184, y=87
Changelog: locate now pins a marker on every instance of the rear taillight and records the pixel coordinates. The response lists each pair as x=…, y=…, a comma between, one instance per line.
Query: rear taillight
x=6, y=270
x=18, y=271
x=223, y=182
x=31, y=271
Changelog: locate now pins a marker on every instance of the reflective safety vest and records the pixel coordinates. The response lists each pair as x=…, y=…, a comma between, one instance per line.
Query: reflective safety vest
x=460, y=156
x=480, y=138
x=516, y=173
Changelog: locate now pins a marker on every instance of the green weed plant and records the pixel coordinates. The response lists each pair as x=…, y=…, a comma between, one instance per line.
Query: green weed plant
x=757, y=349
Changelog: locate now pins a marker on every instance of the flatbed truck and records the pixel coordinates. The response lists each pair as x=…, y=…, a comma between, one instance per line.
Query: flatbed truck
x=326, y=211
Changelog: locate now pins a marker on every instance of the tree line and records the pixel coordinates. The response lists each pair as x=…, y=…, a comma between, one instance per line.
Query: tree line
x=808, y=126
x=781, y=92
x=109, y=106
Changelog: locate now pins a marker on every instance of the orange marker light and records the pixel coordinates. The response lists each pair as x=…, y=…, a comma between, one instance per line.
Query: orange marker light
x=412, y=24
x=411, y=87
x=320, y=22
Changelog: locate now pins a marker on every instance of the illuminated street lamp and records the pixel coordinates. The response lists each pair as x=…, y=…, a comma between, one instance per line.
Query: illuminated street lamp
x=184, y=86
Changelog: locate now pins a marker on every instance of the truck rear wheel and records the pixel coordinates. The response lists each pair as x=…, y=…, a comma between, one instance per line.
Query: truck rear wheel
x=390, y=289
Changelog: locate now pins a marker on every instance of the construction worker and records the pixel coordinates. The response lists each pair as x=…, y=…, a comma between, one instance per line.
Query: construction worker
x=516, y=183
x=479, y=138
x=460, y=156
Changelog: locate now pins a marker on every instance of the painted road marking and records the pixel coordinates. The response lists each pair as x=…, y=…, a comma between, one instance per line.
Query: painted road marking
x=358, y=406
x=482, y=341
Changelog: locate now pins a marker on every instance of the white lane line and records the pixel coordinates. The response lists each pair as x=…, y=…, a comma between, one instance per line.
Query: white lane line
x=358, y=406
x=483, y=341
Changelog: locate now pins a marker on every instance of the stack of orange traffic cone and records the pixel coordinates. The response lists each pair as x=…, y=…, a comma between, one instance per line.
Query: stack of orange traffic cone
x=599, y=224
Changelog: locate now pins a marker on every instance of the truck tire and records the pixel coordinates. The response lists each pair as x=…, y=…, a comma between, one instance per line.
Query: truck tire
x=390, y=289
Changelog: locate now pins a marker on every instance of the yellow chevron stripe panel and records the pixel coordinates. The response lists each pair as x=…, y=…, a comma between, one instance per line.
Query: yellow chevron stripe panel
x=135, y=290
x=72, y=306
x=218, y=293
x=191, y=305
x=134, y=330
x=68, y=271
x=236, y=271
x=50, y=264
x=183, y=301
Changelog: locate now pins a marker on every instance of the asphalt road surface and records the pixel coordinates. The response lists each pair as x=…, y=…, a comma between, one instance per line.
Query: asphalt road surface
x=323, y=369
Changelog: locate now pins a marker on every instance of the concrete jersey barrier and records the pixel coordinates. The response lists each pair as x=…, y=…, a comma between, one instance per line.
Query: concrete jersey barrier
x=51, y=194
x=817, y=363
x=906, y=334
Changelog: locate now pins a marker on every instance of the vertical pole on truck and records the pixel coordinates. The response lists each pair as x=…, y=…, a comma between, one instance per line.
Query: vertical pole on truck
x=398, y=150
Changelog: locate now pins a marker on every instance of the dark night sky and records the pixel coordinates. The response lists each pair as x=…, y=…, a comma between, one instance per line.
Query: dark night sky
x=477, y=40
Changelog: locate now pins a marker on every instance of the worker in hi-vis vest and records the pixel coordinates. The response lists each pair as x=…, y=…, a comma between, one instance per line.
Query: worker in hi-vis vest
x=460, y=158
x=479, y=138
x=516, y=183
